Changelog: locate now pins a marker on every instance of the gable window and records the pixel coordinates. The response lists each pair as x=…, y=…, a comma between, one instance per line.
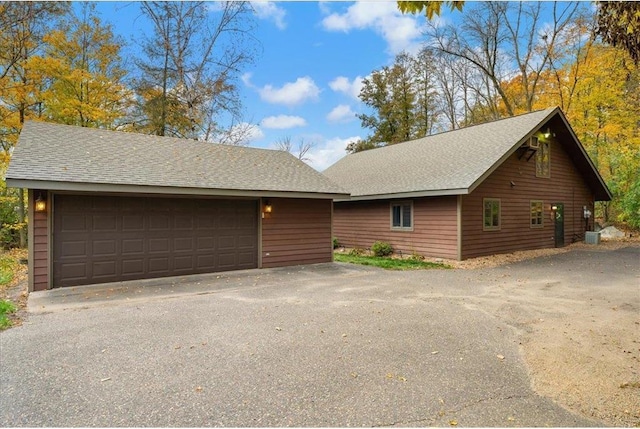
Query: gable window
x=543, y=160
x=402, y=215
x=536, y=214
x=491, y=217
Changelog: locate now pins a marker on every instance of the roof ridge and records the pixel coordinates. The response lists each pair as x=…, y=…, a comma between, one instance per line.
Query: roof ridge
x=166, y=139
x=549, y=109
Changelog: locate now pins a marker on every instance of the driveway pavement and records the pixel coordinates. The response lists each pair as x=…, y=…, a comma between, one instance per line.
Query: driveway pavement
x=322, y=345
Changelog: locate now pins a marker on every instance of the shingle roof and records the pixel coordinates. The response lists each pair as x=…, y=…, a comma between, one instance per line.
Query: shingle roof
x=54, y=153
x=449, y=163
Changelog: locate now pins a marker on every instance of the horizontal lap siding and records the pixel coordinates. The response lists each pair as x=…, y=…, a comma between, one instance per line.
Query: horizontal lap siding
x=296, y=232
x=40, y=245
x=361, y=223
x=564, y=186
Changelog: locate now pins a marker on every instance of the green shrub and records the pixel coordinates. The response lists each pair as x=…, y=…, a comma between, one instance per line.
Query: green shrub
x=416, y=257
x=6, y=307
x=336, y=243
x=381, y=248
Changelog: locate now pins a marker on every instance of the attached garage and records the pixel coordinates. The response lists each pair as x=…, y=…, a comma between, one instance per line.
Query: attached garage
x=110, y=206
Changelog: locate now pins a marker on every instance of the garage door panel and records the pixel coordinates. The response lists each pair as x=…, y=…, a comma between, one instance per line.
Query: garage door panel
x=74, y=223
x=159, y=265
x=132, y=246
x=104, y=269
x=184, y=244
x=159, y=222
x=70, y=249
x=157, y=245
x=133, y=223
x=182, y=263
x=206, y=263
x=133, y=267
x=206, y=243
x=104, y=248
x=104, y=239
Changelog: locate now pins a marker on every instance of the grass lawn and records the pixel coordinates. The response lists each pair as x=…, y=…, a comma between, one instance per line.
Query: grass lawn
x=388, y=263
x=9, y=265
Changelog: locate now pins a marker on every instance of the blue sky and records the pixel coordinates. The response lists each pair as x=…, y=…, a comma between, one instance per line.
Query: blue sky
x=305, y=84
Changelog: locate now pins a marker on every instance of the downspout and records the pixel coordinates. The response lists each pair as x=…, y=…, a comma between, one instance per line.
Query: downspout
x=459, y=227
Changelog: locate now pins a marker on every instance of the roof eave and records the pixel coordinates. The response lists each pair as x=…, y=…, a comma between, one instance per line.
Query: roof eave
x=401, y=195
x=166, y=190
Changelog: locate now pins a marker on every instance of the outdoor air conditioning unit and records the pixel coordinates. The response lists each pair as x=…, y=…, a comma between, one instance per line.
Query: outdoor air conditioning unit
x=534, y=143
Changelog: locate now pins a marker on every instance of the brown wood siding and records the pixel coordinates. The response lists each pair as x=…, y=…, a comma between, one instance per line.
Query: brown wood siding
x=361, y=223
x=296, y=232
x=565, y=185
x=40, y=244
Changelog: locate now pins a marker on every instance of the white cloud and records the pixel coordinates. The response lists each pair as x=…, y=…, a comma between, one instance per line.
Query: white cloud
x=327, y=153
x=291, y=93
x=350, y=88
x=341, y=113
x=246, y=79
x=283, y=122
x=400, y=31
x=270, y=11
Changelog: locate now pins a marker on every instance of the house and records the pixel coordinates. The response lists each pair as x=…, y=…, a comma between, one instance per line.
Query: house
x=519, y=183
x=109, y=206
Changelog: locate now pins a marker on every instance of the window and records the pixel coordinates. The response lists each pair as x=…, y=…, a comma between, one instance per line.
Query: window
x=543, y=160
x=402, y=215
x=536, y=214
x=491, y=214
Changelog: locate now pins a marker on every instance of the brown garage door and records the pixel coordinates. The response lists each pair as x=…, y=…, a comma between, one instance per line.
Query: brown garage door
x=100, y=239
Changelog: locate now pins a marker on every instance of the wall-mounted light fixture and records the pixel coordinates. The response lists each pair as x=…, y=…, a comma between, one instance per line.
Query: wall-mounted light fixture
x=40, y=204
x=554, y=208
x=267, y=207
x=548, y=134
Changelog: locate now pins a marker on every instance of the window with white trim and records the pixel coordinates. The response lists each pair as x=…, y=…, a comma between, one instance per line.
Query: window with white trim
x=402, y=215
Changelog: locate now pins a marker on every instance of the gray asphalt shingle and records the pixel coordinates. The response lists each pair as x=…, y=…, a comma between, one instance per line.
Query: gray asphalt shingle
x=60, y=153
x=450, y=161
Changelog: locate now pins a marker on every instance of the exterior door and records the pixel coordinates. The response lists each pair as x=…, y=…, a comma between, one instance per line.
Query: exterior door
x=559, y=224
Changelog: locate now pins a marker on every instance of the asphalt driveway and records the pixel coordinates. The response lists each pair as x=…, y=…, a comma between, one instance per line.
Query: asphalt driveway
x=322, y=345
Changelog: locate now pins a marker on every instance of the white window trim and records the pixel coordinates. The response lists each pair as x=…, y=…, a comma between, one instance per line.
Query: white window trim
x=400, y=203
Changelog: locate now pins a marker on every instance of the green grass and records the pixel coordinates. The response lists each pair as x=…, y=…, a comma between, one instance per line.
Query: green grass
x=7, y=268
x=388, y=263
x=6, y=307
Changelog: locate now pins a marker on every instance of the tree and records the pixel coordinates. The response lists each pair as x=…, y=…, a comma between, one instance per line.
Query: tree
x=285, y=144
x=83, y=63
x=619, y=25
x=186, y=83
x=498, y=36
x=430, y=8
x=22, y=28
x=402, y=102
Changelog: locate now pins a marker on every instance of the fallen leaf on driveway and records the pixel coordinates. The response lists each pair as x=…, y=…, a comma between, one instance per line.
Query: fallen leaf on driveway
x=278, y=328
x=106, y=379
x=500, y=357
x=453, y=423
x=435, y=352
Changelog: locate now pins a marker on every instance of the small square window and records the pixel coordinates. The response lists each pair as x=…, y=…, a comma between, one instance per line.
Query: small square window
x=537, y=219
x=402, y=215
x=491, y=215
